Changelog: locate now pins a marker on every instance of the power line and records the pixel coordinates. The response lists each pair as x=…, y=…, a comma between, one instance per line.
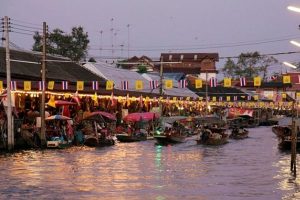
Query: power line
x=22, y=33
x=21, y=29
x=30, y=27
x=25, y=22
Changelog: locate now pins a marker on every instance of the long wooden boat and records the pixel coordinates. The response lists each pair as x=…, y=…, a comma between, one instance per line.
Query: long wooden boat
x=93, y=141
x=239, y=133
x=170, y=138
x=131, y=138
x=212, y=138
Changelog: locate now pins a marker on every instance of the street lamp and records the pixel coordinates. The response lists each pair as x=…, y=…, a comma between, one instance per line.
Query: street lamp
x=293, y=8
x=290, y=65
x=295, y=43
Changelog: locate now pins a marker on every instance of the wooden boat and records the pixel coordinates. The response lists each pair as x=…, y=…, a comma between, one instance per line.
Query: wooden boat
x=280, y=131
x=93, y=141
x=239, y=133
x=209, y=137
x=170, y=138
x=125, y=137
x=58, y=143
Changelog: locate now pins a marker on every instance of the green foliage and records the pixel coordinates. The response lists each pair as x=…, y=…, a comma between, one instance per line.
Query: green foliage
x=92, y=60
x=248, y=65
x=73, y=46
x=142, y=69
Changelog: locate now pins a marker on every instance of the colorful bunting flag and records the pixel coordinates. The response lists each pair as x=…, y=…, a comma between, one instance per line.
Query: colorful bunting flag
x=124, y=85
x=109, y=85
x=198, y=83
x=153, y=84
x=95, y=85
x=27, y=85
x=227, y=98
x=168, y=84
x=50, y=85
x=80, y=85
x=286, y=79
x=242, y=81
x=13, y=85
x=227, y=82
x=42, y=85
x=139, y=85
x=257, y=81
x=182, y=83
x=65, y=85
x=213, y=82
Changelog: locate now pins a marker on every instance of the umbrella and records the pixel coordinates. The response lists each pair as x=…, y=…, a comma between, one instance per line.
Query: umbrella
x=103, y=114
x=64, y=103
x=58, y=117
x=146, y=116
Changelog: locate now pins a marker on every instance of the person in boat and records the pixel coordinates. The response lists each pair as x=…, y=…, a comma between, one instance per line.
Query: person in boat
x=206, y=134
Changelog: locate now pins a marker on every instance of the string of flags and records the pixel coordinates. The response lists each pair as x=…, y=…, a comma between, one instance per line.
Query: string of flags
x=139, y=84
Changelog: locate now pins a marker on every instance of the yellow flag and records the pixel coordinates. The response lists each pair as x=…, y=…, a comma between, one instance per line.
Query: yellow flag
x=27, y=85
x=298, y=95
x=257, y=81
x=80, y=85
x=227, y=98
x=286, y=79
x=1, y=85
x=50, y=85
x=174, y=98
x=51, y=101
x=188, y=98
x=109, y=85
x=139, y=85
x=255, y=97
x=198, y=83
x=214, y=99
x=168, y=84
x=283, y=95
x=227, y=82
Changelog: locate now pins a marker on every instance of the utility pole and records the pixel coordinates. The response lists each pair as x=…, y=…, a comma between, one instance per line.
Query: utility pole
x=128, y=25
x=294, y=138
x=10, y=132
x=161, y=84
x=43, y=129
x=206, y=93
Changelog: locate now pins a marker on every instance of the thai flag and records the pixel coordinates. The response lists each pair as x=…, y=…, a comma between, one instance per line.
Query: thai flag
x=220, y=98
x=235, y=98
x=182, y=83
x=13, y=85
x=248, y=97
x=95, y=85
x=153, y=84
x=242, y=81
x=42, y=85
x=64, y=85
x=208, y=98
x=124, y=85
x=213, y=82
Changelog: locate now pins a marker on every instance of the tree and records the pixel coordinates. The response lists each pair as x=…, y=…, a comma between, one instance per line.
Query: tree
x=229, y=68
x=248, y=65
x=73, y=46
x=92, y=60
x=142, y=69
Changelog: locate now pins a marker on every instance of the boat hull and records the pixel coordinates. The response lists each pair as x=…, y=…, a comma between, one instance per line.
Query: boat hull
x=131, y=138
x=163, y=139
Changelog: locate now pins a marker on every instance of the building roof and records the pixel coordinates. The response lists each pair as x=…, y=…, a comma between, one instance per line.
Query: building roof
x=118, y=75
x=189, y=56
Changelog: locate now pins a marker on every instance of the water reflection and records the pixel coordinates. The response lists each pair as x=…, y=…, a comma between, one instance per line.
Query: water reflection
x=249, y=169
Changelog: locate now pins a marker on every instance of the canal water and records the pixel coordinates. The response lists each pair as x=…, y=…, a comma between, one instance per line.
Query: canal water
x=253, y=168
